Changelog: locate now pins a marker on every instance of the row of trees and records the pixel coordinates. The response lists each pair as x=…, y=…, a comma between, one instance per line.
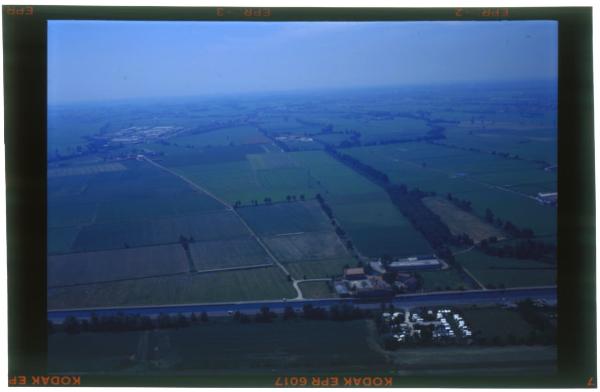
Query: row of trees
x=426, y=222
x=524, y=249
x=509, y=227
x=344, y=312
x=359, y=166
x=410, y=204
x=268, y=200
x=338, y=230
x=464, y=205
x=121, y=322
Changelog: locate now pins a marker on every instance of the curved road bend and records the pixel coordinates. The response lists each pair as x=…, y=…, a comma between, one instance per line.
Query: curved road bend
x=407, y=300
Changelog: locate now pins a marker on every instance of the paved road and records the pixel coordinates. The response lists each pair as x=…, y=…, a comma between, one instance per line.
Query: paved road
x=407, y=300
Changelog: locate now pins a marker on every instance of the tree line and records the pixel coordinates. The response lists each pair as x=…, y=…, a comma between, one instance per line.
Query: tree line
x=121, y=322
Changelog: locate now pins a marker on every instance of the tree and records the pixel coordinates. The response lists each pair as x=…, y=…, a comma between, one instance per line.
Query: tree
x=164, y=321
x=71, y=325
x=182, y=321
x=288, y=313
x=489, y=215
x=265, y=315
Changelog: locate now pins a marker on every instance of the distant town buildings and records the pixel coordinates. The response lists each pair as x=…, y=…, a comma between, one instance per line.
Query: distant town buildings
x=294, y=138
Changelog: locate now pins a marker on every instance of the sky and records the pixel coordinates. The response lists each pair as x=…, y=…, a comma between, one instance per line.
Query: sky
x=109, y=60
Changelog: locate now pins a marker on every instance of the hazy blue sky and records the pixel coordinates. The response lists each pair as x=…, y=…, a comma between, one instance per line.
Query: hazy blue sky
x=99, y=60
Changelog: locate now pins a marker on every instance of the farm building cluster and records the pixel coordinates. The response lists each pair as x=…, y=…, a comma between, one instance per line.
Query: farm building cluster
x=356, y=282
x=384, y=278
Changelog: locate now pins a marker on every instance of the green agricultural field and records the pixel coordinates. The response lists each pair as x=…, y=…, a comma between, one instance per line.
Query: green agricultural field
x=105, y=352
x=475, y=360
x=533, y=143
x=280, y=346
x=139, y=193
x=496, y=272
x=522, y=211
x=75, y=212
x=225, y=345
x=377, y=228
x=278, y=160
x=112, y=265
x=85, y=169
x=406, y=163
x=306, y=246
x=279, y=125
x=333, y=177
x=518, y=177
x=319, y=268
x=240, y=181
x=399, y=128
x=61, y=239
x=227, y=254
x=461, y=222
x=178, y=204
x=219, y=225
x=223, y=137
x=493, y=322
x=207, y=155
x=363, y=209
x=444, y=280
x=286, y=218
x=448, y=170
x=227, y=286
x=333, y=138
x=318, y=289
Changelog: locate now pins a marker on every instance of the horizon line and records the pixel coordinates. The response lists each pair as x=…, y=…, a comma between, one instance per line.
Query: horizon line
x=241, y=94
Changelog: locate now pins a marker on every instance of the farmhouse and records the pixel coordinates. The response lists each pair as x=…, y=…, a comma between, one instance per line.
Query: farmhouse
x=415, y=263
x=354, y=274
x=357, y=283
